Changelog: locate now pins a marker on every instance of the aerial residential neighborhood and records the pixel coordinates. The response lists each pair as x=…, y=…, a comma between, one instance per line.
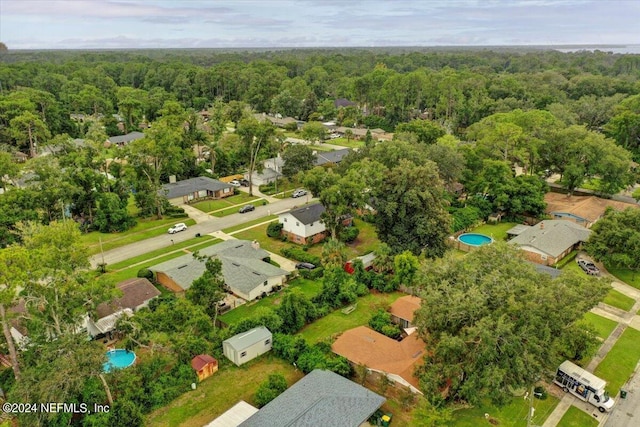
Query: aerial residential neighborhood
x=385, y=236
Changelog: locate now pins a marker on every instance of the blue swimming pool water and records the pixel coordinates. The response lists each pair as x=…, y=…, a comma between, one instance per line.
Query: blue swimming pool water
x=118, y=359
x=475, y=239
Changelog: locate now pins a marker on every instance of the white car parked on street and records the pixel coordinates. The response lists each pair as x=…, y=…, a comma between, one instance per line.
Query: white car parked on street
x=177, y=228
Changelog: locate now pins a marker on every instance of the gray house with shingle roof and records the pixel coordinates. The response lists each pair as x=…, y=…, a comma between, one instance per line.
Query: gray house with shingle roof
x=327, y=157
x=549, y=241
x=196, y=188
x=125, y=139
x=243, y=267
x=321, y=398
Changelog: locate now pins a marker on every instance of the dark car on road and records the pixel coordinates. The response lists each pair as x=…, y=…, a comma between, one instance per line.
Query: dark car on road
x=247, y=208
x=305, y=266
x=588, y=267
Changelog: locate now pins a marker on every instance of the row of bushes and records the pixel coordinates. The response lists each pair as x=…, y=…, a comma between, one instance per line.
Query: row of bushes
x=300, y=255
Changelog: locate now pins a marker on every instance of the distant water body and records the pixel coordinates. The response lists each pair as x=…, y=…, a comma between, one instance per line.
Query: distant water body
x=633, y=48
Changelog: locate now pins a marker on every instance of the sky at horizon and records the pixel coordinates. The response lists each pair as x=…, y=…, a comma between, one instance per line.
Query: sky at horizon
x=94, y=24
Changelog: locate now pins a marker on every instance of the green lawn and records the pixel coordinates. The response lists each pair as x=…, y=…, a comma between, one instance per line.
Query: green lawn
x=208, y=206
x=620, y=300
x=129, y=272
x=248, y=224
x=512, y=414
x=220, y=392
x=603, y=326
x=309, y=288
x=366, y=242
x=126, y=263
x=497, y=231
x=572, y=266
x=352, y=143
x=621, y=361
x=337, y=322
x=574, y=417
x=145, y=229
x=285, y=194
x=630, y=277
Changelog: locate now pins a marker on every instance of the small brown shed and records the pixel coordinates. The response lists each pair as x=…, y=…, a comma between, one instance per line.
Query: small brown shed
x=204, y=365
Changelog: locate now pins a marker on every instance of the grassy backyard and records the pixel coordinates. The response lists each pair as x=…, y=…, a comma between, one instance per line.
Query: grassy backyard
x=308, y=287
x=497, y=231
x=209, y=206
x=512, y=414
x=602, y=325
x=220, y=392
x=574, y=417
x=621, y=361
x=338, y=322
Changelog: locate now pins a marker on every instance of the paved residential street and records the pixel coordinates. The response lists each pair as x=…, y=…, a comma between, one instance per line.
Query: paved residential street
x=625, y=409
x=203, y=226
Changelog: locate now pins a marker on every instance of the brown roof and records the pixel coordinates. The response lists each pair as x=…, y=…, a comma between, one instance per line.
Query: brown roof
x=135, y=292
x=590, y=208
x=202, y=360
x=376, y=351
x=404, y=307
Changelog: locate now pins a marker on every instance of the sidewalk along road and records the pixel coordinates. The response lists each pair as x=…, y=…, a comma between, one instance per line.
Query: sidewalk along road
x=209, y=226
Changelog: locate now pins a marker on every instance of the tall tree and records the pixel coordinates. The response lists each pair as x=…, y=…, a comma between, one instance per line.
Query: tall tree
x=297, y=158
x=29, y=129
x=493, y=323
x=208, y=289
x=257, y=138
x=615, y=239
x=411, y=209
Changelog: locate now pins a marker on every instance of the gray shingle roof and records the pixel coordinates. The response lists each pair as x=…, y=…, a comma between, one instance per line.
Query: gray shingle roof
x=552, y=237
x=242, y=266
x=308, y=214
x=135, y=292
x=335, y=156
x=322, y=398
x=123, y=139
x=191, y=185
x=245, y=340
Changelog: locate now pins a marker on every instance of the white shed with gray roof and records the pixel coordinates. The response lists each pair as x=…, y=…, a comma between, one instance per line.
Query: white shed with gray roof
x=248, y=345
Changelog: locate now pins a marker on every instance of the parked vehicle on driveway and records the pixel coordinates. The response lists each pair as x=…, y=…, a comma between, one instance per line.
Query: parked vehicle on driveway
x=588, y=267
x=305, y=266
x=299, y=193
x=235, y=183
x=246, y=208
x=244, y=182
x=177, y=228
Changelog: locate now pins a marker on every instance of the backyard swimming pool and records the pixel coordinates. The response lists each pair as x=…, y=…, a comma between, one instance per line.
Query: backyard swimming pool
x=118, y=359
x=475, y=239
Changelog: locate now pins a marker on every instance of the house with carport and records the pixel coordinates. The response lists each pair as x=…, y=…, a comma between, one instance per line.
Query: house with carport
x=548, y=241
x=192, y=189
x=245, y=268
